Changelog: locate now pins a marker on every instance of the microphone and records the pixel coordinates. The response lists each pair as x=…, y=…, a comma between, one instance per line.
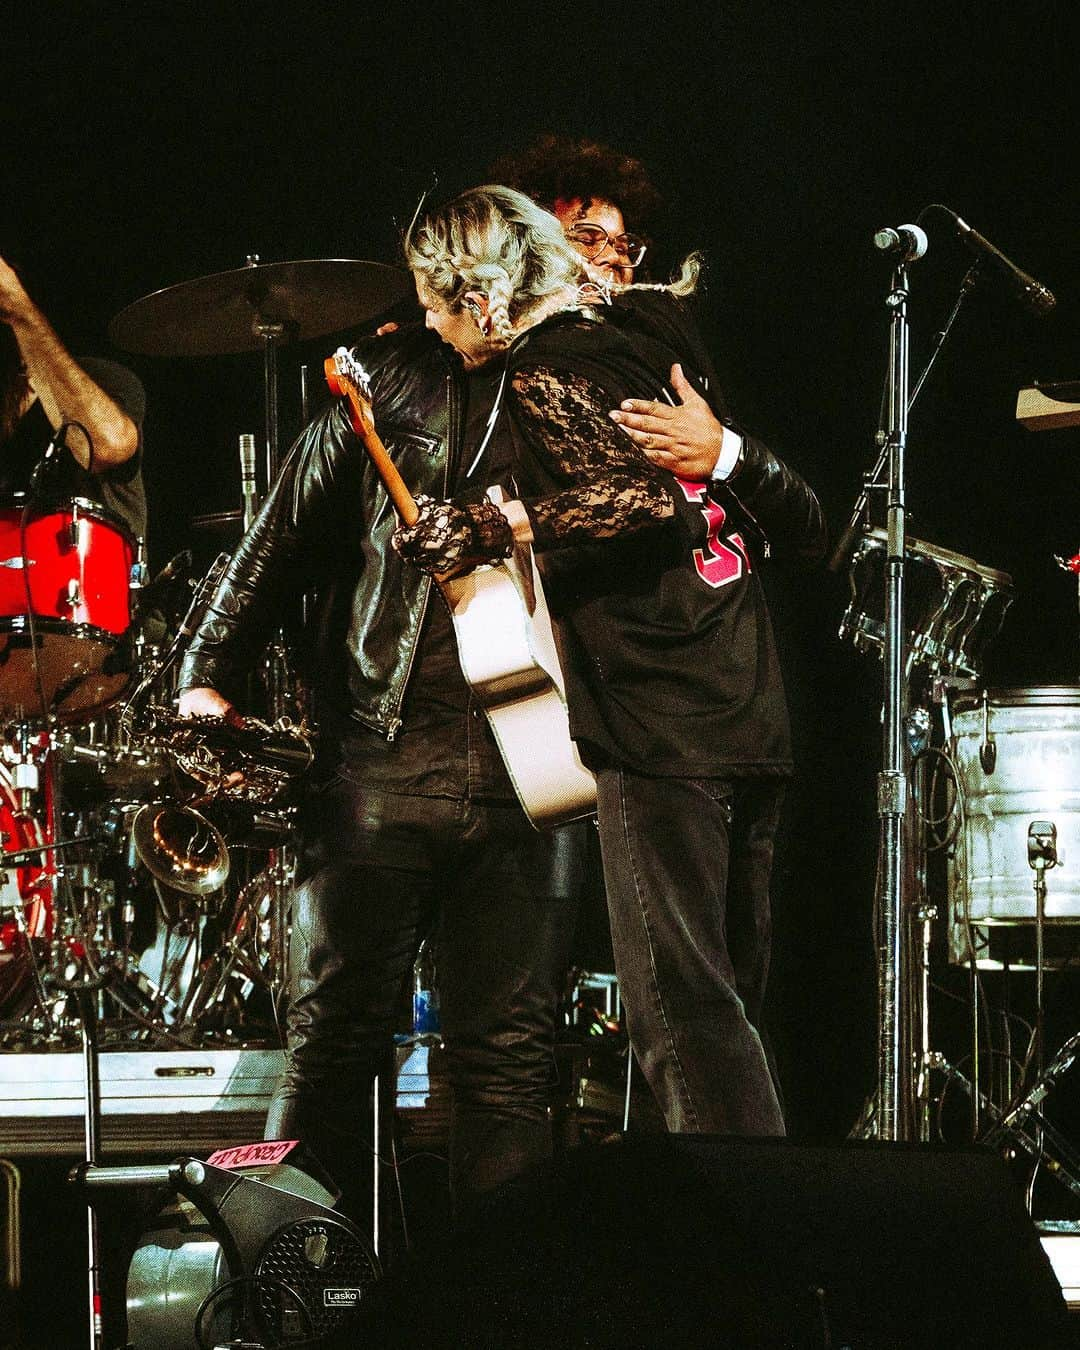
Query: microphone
x=1042, y=844
x=906, y=242
x=44, y=466
x=248, y=486
x=1038, y=298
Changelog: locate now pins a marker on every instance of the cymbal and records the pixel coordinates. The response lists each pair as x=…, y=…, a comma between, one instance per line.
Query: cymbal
x=221, y=314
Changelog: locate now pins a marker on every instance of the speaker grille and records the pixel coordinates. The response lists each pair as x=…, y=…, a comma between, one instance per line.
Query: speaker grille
x=312, y=1275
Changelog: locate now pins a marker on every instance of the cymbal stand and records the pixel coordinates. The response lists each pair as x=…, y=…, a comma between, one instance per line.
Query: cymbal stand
x=921, y=913
x=272, y=334
x=281, y=862
x=237, y=957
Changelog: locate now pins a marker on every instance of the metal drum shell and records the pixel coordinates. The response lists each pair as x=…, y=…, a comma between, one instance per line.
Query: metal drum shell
x=954, y=606
x=1035, y=775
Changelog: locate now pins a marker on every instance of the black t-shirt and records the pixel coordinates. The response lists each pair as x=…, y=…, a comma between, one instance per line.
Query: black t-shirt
x=119, y=489
x=672, y=666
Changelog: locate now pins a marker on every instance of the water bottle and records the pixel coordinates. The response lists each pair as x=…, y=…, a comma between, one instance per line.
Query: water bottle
x=425, y=1002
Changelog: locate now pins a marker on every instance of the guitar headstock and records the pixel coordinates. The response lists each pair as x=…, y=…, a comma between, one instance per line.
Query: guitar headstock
x=347, y=378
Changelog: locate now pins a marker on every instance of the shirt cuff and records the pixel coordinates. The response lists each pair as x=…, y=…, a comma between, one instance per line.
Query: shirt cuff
x=730, y=450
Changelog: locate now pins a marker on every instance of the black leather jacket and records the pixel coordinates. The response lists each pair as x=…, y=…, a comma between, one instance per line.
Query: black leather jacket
x=326, y=524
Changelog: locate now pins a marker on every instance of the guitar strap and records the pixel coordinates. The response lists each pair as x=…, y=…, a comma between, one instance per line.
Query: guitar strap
x=493, y=417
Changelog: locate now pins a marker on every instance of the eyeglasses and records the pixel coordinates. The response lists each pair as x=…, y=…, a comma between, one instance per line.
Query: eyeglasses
x=593, y=239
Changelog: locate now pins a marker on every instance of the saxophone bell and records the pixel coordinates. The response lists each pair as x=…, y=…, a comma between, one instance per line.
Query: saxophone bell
x=180, y=847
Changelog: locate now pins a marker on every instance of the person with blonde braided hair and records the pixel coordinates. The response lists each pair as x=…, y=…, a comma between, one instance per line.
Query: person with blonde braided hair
x=673, y=684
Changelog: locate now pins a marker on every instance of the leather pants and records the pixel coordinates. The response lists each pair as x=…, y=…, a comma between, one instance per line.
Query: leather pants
x=380, y=870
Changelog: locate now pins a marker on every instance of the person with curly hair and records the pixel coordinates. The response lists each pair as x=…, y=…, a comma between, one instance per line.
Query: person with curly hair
x=594, y=191
x=607, y=204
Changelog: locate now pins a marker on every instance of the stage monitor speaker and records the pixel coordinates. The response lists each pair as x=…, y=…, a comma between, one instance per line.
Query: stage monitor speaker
x=748, y=1245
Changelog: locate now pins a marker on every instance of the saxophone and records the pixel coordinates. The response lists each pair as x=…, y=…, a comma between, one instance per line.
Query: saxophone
x=247, y=760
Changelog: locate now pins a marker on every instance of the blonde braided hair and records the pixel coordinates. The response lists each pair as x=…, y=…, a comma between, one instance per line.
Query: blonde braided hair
x=496, y=241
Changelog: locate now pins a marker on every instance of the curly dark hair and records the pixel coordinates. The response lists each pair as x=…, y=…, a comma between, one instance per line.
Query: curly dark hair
x=555, y=168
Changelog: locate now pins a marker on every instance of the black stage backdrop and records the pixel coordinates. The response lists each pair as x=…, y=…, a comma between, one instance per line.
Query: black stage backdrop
x=148, y=143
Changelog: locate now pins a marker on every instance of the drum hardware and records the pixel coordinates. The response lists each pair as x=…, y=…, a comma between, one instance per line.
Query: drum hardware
x=1014, y=755
x=243, y=959
x=955, y=607
x=1010, y=811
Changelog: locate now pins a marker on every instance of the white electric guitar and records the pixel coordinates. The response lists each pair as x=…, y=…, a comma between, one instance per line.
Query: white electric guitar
x=505, y=640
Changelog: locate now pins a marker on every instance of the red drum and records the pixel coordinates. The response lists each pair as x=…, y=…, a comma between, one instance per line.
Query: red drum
x=26, y=899
x=75, y=560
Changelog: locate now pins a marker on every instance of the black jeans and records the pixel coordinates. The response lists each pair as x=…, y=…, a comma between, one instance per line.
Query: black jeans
x=380, y=869
x=686, y=867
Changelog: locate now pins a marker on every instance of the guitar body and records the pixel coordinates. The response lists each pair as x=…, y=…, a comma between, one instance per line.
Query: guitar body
x=506, y=645
x=508, y=654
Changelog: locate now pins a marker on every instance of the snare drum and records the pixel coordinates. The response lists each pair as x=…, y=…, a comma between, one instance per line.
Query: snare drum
x=1017, y=754
x=954, y=608
x=72, y=563
x=26, y=898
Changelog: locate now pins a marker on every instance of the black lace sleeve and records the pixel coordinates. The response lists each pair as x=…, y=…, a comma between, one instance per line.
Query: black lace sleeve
x=614, y=488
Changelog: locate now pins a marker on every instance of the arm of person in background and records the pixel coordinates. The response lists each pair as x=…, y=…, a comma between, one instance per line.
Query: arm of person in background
x=66, y=391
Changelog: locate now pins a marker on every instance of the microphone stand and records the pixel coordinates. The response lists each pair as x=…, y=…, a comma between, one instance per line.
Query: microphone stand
x=892, y=780
x=895, y=1087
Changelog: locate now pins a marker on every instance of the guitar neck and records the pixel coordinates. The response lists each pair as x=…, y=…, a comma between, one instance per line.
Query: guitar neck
x=392, y=480
x=347, y=379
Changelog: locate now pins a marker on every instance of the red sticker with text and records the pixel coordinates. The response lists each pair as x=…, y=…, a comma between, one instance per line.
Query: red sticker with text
x=263, y=1154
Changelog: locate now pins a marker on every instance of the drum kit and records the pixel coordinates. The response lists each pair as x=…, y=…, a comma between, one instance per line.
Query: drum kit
x=120, y=824
x=995, y=798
